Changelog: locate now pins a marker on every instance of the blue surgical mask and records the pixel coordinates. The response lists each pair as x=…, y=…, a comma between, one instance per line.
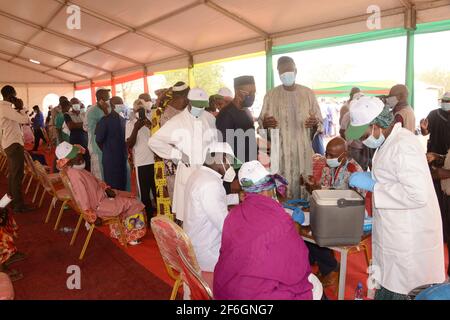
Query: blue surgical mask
x=374, y=143
x=445, y=106
x=197, y=112
x=248, y=101
x=333, y=163
x=288, y=78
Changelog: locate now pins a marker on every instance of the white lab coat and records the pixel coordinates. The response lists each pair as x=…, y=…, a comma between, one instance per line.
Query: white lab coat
x=407, y=238
x=189, y=135
x=205, y=211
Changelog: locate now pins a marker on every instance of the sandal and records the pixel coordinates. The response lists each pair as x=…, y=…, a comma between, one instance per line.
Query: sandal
x=134, y=243
x=14, y=275
x=18, y=256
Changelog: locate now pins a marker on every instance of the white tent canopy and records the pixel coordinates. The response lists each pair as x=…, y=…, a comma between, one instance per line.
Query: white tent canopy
x=118, y=37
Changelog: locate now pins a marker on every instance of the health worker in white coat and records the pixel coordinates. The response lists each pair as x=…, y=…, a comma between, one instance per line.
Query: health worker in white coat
x=407, y=239
x=184, y=139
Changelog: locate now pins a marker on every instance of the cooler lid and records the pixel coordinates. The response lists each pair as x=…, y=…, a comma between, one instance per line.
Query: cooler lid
x=331, y=197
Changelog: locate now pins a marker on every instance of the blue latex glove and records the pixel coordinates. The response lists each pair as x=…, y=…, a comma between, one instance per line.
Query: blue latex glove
x=362, y=180
x=298, y=216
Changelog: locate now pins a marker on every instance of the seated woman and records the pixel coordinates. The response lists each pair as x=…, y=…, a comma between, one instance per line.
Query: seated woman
x=97, y=200
x=262, y=256
x=8, y=249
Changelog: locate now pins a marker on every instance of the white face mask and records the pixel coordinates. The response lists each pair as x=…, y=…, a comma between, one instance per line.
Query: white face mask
x=148, y=105
x=229, y=175
x=392, y=101
x=445, y=106
x=79, y=166
x=374, y=143
x=120, y=108
x=76, y=107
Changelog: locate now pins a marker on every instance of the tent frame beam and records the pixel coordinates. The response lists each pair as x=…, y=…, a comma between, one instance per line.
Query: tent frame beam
x=34, y=70
x=50, y=68
x=123, y=26
x=88, y=45
x=53, y=53
x=236, y=18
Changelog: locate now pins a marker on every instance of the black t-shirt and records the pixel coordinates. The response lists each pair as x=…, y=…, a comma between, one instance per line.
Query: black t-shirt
x=243, y=141
x=77, y=136
x=439, y=127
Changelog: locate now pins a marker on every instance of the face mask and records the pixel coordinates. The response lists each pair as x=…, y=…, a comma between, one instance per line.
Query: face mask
x=445, y=106
x=120, y=108
x=288, y=78
x=229, y=175
x=76, y=107
x=333, y=163
x=79, y=166
x=197, y=112
x=148, y=105
x=248, y=101
x=374, y=143
x=392, y=101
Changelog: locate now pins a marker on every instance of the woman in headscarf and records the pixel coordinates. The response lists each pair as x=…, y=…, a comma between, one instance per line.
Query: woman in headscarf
x=8, y=249
x=98, y=200
x=262, y=256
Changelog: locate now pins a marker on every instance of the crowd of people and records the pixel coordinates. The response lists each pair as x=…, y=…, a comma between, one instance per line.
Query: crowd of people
x=192, y=152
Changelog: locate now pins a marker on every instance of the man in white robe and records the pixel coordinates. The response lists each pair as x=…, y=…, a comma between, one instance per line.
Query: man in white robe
x=293, y=110
x=183, y=140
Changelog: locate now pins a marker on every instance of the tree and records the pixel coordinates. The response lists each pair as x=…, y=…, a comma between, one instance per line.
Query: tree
x=437, y=77
x=209, y=77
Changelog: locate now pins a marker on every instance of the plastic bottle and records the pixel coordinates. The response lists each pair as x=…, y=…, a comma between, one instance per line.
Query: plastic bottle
x=66, y=230
x=359, y=292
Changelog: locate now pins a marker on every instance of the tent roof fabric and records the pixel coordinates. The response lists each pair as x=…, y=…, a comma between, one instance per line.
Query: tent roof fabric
x=116, y=35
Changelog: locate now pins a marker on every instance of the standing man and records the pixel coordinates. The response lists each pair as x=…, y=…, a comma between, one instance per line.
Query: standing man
x=177, y=104
x=183, y=139
x=345, y=107
x=93, y=116
x=38, y=127
x=437, y=125
x=398, y=102
x=12, y=116
x=293, y=109
x=110, y=137
x=74, y=122
x=235, y=121
x=407, y=237
x=138, y=131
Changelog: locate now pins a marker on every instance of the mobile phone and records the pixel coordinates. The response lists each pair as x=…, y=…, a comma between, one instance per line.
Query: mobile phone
x=142, y=114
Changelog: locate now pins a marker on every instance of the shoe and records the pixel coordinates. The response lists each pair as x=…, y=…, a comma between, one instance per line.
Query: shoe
x=134, y=243
x=24, y=209
x=17, y=257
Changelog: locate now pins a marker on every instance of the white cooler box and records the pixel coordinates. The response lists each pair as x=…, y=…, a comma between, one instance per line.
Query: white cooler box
x=337, y=217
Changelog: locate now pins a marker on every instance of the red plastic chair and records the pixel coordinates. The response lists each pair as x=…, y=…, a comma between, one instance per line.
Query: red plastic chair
x=171, y=240
x=199, y=288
